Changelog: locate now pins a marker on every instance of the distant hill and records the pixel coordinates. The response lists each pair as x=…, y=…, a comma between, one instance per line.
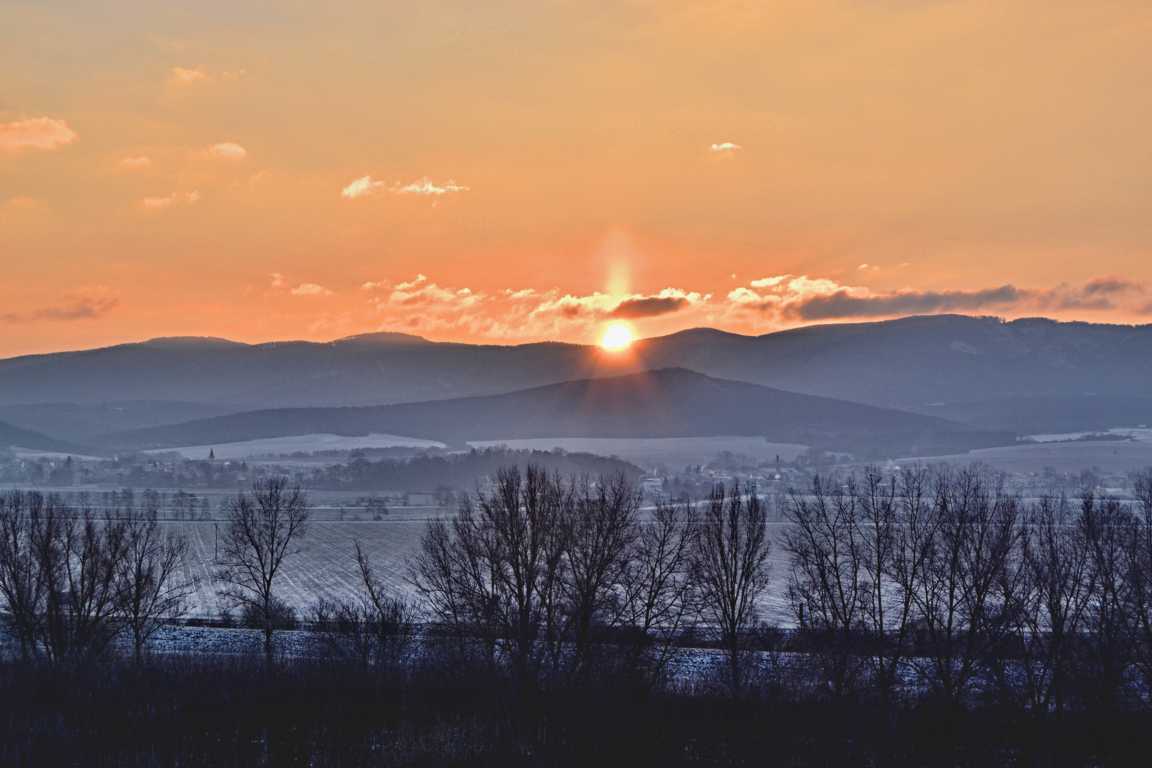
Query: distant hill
x=664, y=403
x=1051, y=413
x=15, y=437
x=369, y=369
x=916, y=364
x=82, y=421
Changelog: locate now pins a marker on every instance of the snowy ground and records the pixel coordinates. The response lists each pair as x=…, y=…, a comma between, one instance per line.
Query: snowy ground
x=1129, y=452
x=323, y=566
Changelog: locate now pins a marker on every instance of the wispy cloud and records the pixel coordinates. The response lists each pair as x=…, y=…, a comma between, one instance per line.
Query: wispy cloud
x=426, y=186
x=1100, y=294
x=597, y=306
x=36, y=134
x=84, y=306
x=227, y=150
x=310, y=289
x=135, y=162
x=182, y=77
x=790, y=298
x=187, y=75
x=725, y=148
x=845, y=304
x=173, y=199
x=423, y=292
x=365, y=185
x=666, y=302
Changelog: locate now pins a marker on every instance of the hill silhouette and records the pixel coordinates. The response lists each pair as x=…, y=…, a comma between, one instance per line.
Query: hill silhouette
x=665, y=403
x=916, y=364
x=15, y=437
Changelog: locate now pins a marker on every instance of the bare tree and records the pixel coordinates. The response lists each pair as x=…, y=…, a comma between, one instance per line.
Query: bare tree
x=375, y=629
x=153, y=588
x=730, y=568
x=457, y=588
x=1141, y=573
x=599, y=536
x=897, y=526
x=261, y=528
x=390, y=617
x=657, y=584
x=1109, y=529
x=964, y=601
x=79, y=557
x=496, y=569
x=22, y=584
x=828, y=585
x=1055, y=598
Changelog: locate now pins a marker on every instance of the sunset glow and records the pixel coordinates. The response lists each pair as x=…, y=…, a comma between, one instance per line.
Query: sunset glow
x=617, y=337
x=530, y=171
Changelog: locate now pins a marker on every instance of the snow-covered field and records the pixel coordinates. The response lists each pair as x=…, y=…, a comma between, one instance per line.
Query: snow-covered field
x=1129, y=452
x=322, y=566
x=1141, y=434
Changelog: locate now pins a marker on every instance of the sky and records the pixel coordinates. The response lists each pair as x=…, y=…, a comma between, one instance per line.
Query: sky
x=521, y=170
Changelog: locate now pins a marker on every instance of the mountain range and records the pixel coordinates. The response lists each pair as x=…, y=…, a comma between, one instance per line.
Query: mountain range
x=1025, y=376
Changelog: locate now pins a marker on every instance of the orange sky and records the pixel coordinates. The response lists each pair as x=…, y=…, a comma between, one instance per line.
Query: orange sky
x=525, y=169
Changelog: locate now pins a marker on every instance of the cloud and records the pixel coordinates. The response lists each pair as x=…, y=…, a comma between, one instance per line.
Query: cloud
x=310, y=289
x=787, y=298
x=409, y=284
x=1110, y=285
x=648, y=307
x=422, y=292
x=664, y=303
x=187, y=76
x=844, y=304
x=277, y=280
x=373, y=285
x=571, y=307
x=425, y=186
x=36, y=134
x=365, y=185
x=519, y=295
x=163, y=202
x=1098, y=294
x=81, y=307
x=725, y=148
x=800, y=297
x=228, y=150
x=136, y=162
x=598, y=305
x=183, y=77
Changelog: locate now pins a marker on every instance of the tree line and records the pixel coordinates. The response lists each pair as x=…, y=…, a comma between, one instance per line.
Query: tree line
x=927, y=581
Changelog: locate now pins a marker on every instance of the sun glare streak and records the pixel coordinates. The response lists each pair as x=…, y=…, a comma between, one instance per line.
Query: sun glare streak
x=617, y=336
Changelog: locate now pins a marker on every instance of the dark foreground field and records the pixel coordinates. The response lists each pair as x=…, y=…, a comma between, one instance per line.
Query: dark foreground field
x=210, y=712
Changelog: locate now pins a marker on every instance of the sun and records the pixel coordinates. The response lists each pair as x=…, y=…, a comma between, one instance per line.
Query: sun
x=617, y=337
